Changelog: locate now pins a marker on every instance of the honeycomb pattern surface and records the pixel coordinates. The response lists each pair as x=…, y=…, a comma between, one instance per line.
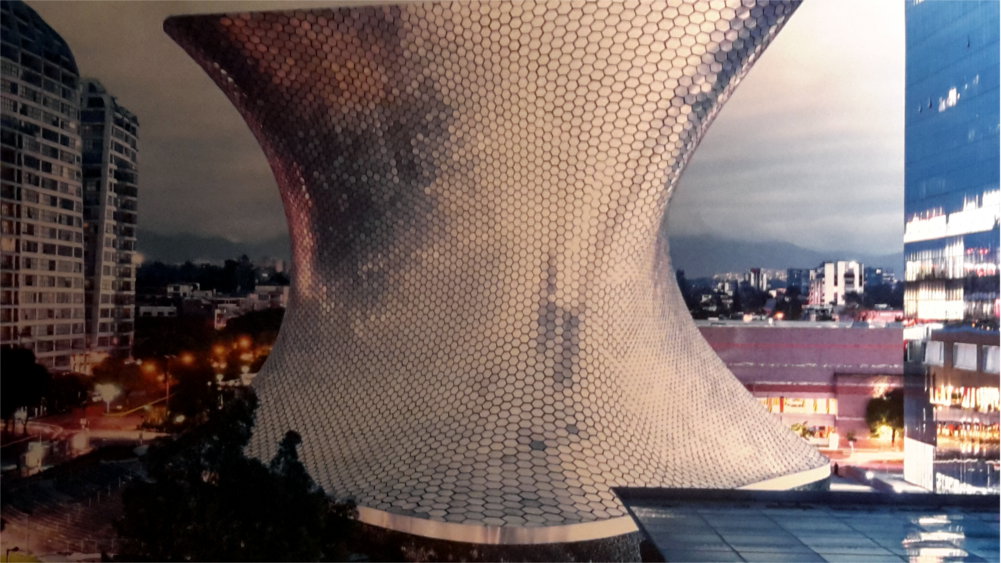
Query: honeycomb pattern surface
x=484, y=327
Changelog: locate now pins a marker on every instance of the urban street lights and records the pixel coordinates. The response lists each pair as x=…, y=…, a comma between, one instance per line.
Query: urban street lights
x=108, y=392
x=149, y=367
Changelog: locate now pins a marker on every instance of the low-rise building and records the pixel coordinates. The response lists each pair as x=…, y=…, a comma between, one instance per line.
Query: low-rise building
x=832, y=281
x=821, y=375
x=267, y=297
x=146, y=311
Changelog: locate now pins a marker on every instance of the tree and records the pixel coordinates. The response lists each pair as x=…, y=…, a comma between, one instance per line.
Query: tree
x=162, y=336
x=120, y=372
x=887, y=410
x=790, y=305
x=686, y=290
x=803, y=430
x=66, y=392
x=204, y=500
x=262, y=326
x=24, y=384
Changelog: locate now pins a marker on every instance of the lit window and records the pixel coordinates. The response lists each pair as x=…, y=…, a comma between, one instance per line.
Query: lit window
x=991, y=363
x=934, y=353
x=964, y=356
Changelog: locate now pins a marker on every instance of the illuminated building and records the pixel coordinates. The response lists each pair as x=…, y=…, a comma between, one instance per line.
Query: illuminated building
x=831, y=281
x=952, y=443
x=757, y=279
x=952, y=206
x=951, y=198
x=110, y=197
x=820, y=374
x=483, y=333
x=41, y=299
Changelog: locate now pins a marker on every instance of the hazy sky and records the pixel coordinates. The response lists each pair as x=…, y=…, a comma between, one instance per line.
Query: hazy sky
x=808, y=150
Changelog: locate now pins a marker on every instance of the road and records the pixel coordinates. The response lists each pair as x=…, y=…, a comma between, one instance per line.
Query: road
x=71, y=434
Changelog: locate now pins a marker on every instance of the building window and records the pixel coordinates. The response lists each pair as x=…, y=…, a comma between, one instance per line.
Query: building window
x=964, y=356
x=934, y=353
x=991, y=363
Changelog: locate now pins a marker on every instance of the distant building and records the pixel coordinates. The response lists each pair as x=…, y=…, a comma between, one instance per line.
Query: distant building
x=831, y=281
x=952, y=201
x=267, y=297
x=821, y=374
x=181, y=290
x=187, y=299
x=42, y=239
x=169, y=311
x=110, y=188
x=878, y=276
x=757, y=279
x=798, y=278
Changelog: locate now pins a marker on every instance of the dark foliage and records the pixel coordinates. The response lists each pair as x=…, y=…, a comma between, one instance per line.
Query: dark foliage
x=689, y=295
x=204, y=500
x=261, y=326
x=887, y=410
x=24, y=383
x=891, y=295
x=790, y=305
x=748, y=299
x=123, y=373
x=234, y=276
x=66, y=392
x=162, y=336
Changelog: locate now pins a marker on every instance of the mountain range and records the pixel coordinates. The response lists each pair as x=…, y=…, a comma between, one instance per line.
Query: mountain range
x=182, y=247
x=701, y=256
x=698, y=256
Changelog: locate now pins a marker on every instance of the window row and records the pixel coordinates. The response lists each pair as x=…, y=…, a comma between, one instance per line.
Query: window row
x=964, y=356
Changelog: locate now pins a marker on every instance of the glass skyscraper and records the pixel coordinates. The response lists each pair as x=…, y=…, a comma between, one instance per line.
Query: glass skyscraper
x=951, y=200
x=952, y=207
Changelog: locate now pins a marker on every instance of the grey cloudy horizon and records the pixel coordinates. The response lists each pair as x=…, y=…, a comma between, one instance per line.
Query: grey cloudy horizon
x=809, y=150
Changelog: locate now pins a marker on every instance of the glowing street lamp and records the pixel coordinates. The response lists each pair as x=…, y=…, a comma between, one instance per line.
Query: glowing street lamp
x=186, y=358
x=108, y=392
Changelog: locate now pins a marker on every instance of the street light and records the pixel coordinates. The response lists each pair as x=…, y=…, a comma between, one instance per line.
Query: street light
x=9, y=550
x=108, y=392
x=187, y=359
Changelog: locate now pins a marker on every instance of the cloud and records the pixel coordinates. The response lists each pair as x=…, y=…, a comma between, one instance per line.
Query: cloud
x=810, y=148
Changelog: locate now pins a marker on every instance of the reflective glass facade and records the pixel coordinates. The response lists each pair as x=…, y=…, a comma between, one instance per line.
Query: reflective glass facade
x=951, y=200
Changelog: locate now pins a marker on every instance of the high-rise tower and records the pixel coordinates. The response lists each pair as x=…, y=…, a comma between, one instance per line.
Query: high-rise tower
x=110, y=190
x=952, y=204
x=951, y=198
x=41, y=271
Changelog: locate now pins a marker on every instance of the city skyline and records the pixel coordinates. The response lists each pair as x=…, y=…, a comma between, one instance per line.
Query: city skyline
x=821, y=114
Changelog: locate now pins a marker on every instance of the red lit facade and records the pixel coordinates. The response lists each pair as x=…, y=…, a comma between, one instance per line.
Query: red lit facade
x=821, y=375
